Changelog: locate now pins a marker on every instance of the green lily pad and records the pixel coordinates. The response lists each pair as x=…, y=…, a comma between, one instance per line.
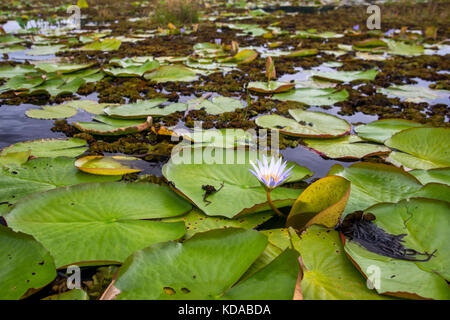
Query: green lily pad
x=115, y=215
x=327, y=273
x=306, y=124
x=422, y=148
x=74, y=294
x=172, y=73
x=45, y=50
x=88, y=105
x=9, y=39
x=133, y=71
x=107, y=126
x=141, y=109
x=196, y=221
x=70, y=147
x=102, y=45
x=242, y=57
x=271, y=87
x=373, y=183
x=346, y=76
x=15, y=158
x=425, y=223
x=22, y=82
x=56, y=87
x=370, y=45
x=108, y=165
x=62, y=68
x=438, y=175
x=315, y=35
x=313, y=96
x=412, y=93
x=25, y=264
x=403, y=48
x=217, y=105
x=19, y=70
x=11, y=48
x=42, y=174
x=194, y=269
x=381, y=130
x=301, y=53
x=348, y=147
x=52, y=112
x=192, y=168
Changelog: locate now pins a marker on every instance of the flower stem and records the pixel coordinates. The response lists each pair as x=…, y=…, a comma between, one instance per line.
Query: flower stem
x=278, y=212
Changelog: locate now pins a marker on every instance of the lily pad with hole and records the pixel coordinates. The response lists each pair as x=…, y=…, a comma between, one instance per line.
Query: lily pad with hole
x=312, y=124
x=271, y=87
x=108, y=165
x=141, y=109
x=327, y=272
x=346, y=76
x=173, y=73
x=323, y=202
x=41, y=174
x=192, y=168
x=25, y=264
x=348, y=147
x=107, y=126
x=194, y=269
x=71, y=222
x=373, y=183
x=381, y=130
x=70, y=147
x=420, y=148
x=52, y=112
x=313, y=96
x=425, y=223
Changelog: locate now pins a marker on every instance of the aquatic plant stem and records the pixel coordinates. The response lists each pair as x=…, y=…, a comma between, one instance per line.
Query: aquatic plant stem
x=269, y=200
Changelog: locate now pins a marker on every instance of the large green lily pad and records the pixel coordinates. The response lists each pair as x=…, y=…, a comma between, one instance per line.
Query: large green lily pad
x=313, y=96
x=176, y=72
x=438, y=175
x=70, y=147
x=141, y=109
x=61, y=111
x=191, y=168
x=42, y=174
x=71, y=222
x=62, y=68
x=107, y=126
x=195, y=269
x=413, y=93
x=381, y=130
x=422, y=148
x=327, y=273
x=306, y=124
x=271, y=87
x=25, y=264
x=425, y=223
x=102, y=45
x=133, y=71
x=348, y=147
x=346, y=76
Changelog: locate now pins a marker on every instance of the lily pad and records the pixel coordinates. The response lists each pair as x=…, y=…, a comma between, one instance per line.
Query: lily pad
x=373, y=183
x=25, y=264
x=424, y=221
x=323, y=202
x=301, y=53
x=313, y=34
x=70, y=147
x=15, y=158
x=438, y=175
x=107, y=166
x=102, y=45
x=348, y=147
x=346, y=76
x=141, y=109
x=194, y=269
x=41, y=174
x=242, y=57
x=327, y=273
x=114, y=214
x=45, y=50
x=271, y=87
x=52, y=112
x=217, y=105
x=403, y=48
x=422, y=148
x=313, y=96
x=306, y=124
x=172, y=73
x=133, y=71
x=413, y=93
x=62, y=68
x=192, y=168
x=74, y=294
x=381, y=130
x=106, y=126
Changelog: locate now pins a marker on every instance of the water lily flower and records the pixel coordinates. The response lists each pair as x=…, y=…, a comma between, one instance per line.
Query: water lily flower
x=182, y=30
x=218, y=41
x=273, y=174
x=356, y=28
